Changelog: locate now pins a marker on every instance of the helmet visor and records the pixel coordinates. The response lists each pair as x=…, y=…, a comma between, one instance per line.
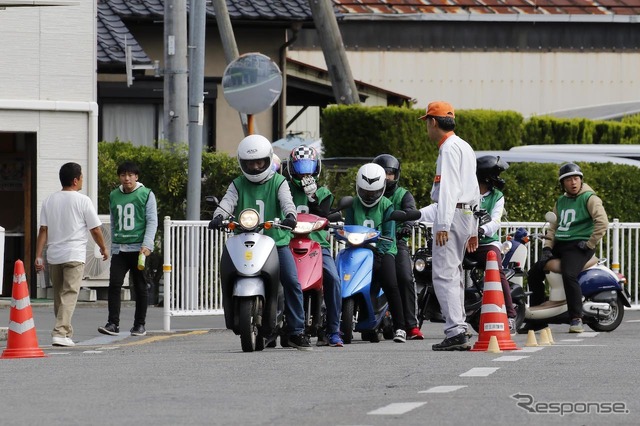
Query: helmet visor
x=304, y=166
x=370, y=197
x=255, y=166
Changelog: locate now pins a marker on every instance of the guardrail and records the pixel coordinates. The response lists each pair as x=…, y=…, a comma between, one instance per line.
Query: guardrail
x=192, y=253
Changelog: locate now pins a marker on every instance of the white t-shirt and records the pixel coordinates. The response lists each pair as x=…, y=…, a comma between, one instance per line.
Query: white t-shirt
x=68, y=216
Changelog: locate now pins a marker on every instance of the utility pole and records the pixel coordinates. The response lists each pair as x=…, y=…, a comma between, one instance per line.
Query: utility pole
x=342, y=82
x=176, y=71
x=229, y=45
x=197, y=31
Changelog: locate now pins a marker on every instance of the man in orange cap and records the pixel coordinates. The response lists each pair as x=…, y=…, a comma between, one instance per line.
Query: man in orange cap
x=455, y=190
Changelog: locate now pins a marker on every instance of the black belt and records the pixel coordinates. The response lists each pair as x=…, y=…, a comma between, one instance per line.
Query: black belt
x=463, y=206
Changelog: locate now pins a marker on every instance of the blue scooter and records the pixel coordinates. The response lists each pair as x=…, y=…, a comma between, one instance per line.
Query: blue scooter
x=364, y=308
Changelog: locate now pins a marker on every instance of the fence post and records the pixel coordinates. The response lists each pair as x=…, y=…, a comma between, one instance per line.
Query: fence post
x=615, y=255
x=166, y=269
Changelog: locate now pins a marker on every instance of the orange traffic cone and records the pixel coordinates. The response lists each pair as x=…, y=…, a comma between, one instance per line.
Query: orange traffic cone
x=22, y=341
x=493, y=314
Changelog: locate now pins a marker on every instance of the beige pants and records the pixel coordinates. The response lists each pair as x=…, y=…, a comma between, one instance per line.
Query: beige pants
x=66, y=279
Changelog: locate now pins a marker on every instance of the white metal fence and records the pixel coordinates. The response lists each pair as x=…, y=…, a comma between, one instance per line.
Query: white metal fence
x=192, y=253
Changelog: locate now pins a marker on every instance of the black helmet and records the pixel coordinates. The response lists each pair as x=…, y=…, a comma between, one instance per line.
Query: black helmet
x=488, y=169
x=391, y=165
x=569, y=169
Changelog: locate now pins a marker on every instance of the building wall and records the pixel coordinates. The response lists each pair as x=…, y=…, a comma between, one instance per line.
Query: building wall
x=528, y=82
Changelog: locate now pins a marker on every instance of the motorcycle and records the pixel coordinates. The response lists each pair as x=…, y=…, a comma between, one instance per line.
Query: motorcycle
x=603, y=291
x=250, y=279
x=364, y=309
x=428, y=305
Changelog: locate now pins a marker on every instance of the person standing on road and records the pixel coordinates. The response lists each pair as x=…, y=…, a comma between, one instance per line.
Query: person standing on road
x=582, y=222
x=402, y=199
x=65, y=218
x=303, y=169
x=260, y=187
x=455, y=190
x=134, y=222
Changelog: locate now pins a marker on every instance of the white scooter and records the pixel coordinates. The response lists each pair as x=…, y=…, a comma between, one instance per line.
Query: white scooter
x=603, y=292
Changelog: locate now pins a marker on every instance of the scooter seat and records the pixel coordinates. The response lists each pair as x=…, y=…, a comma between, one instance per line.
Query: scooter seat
x=553, y=265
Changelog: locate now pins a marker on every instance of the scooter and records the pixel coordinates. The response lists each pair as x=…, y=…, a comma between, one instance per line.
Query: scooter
x=364, y=309
x=250, y=280
x=603, y=291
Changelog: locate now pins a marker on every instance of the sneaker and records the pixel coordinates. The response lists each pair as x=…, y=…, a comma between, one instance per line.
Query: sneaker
x=110, y=329
x=576, y=326
x=415, y=334
x=400, y=336
x=512, y=326
x=300, y=342
x=335, y=340
x=62, y=341
x=459, y=342
x=138, y=330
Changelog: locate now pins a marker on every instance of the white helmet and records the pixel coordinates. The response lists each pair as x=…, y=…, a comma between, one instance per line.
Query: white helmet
x=370, y=184
x=253, y=148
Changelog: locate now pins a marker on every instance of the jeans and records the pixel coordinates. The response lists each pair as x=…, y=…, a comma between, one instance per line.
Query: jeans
x=406, y=285
x=293, y=299
x=332, y=291
x=384, y=275
x=122, y=263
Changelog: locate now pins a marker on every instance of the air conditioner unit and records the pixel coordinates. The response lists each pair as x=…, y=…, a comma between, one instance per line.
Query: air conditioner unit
x=96, y=270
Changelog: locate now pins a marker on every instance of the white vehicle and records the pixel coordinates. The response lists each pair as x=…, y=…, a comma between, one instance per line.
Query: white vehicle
x=544, y=156
x=629, y=151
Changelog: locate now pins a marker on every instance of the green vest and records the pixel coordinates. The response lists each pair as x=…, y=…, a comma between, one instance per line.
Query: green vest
x=487, y=203
x=302, y=206
x=396, y=200
x=129, y=212
x=264, y=199
x=373, y=217
x=574, y=222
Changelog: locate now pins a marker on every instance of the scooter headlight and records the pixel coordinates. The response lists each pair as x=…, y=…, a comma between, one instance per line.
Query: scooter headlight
x=419, y=265
x=249, y=219
x=308, y=227
x=506, y=246
x=355, y=238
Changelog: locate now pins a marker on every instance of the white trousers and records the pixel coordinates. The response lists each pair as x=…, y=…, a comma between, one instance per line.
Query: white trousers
x=448, y=277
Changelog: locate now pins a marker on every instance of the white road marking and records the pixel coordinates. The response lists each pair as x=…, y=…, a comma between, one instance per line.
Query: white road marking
x=633, y=321
x=511, y=358
x=571, y=340
x=589, y=334
x=480, y=372
x=532, y=348
x=397, y=408
x=92, y=352
x=442, y=389
x=59, y=353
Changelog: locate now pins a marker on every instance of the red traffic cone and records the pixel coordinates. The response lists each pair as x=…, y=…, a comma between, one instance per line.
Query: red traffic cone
x=22, y=341
x=493, y=314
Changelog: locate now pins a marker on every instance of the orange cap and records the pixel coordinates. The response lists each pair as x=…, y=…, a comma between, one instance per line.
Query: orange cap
x=439, y=109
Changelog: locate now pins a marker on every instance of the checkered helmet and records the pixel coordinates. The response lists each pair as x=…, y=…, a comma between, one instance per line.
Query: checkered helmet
x=304, y=160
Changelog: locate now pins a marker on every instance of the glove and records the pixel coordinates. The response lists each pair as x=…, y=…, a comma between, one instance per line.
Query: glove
x=404, y=231
x=289, y=221
x=310, y=187
x=546, y=254
x=216, y=222
x=481, y=233
x=582, y=245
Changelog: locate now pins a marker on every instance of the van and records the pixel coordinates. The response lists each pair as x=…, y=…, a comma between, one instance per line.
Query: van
x=611, y=150
x=531, y=156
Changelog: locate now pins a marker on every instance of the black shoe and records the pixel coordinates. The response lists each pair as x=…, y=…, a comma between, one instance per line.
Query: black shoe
x=300, y=342
x=138, y=330
x=535, y=327
x=110, y=329
x=459, y=342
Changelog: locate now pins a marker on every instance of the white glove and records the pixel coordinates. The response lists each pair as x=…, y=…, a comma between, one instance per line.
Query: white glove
x=310, y=187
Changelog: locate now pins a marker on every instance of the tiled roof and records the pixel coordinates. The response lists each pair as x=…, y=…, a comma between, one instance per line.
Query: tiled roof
x=544, y=7
x=111, y=39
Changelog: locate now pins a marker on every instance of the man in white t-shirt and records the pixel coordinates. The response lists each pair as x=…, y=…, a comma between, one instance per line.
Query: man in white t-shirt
x=65, y=218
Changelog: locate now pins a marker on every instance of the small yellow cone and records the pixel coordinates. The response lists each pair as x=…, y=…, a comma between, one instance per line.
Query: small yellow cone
x=550, y=336
x=544, y=338
x=493, y=347
x=531, y=339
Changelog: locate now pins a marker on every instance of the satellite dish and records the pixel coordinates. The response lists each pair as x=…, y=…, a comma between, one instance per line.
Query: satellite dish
x=252, y=83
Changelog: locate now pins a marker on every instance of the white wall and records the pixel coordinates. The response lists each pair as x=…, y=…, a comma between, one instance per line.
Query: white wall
x=530, y=83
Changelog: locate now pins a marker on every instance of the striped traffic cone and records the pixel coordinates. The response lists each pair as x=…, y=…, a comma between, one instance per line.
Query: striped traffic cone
x=22, y=341
x=493, y=314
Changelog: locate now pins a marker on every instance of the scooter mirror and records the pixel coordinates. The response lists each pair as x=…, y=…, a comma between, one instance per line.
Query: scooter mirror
x=550, y=217
x=343, y=203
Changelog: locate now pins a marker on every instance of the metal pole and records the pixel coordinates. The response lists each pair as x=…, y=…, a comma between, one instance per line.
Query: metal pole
x=166, y=273
x=175, y=75
x=197, y=30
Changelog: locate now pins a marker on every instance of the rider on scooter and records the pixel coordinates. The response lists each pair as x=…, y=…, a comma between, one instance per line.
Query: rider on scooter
x=303, y=170
x=488, y=169
x=402, y=199
x=582, y=222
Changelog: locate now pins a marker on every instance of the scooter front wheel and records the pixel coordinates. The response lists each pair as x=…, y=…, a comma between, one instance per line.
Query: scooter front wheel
x=346, y=325
x=247, y=326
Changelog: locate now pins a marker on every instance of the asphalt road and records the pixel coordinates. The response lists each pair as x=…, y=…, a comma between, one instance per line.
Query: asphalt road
x=198, y=375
